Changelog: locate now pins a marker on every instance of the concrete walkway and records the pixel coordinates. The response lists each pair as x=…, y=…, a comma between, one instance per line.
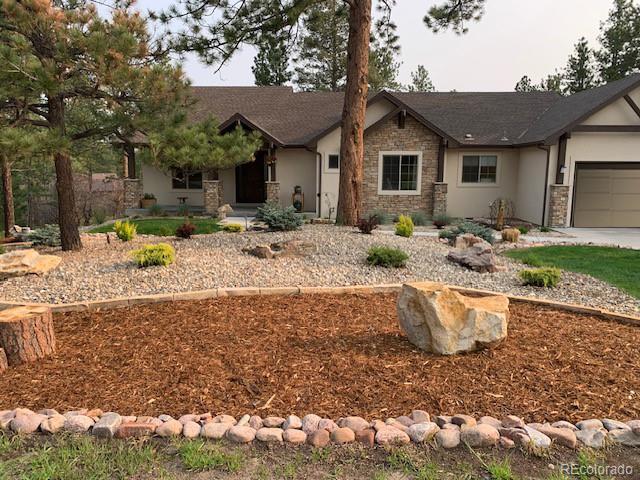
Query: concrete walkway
x=621, y=237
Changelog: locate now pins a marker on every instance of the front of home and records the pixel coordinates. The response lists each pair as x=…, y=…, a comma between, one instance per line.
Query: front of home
x=559, y=161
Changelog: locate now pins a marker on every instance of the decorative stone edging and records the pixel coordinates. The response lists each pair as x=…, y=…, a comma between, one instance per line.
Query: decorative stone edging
x=124, y=302
x=441, y=431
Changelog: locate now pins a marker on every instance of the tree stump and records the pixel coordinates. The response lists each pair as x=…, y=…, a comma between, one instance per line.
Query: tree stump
x=26, y=334
x=3, y=361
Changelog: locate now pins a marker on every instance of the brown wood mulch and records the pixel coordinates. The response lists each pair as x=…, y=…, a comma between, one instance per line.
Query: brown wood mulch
x=326, y=354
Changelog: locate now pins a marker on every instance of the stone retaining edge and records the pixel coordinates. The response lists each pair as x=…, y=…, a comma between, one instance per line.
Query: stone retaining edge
x=123, y=302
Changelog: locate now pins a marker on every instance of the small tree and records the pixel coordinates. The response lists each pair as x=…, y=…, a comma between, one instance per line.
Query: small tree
x=579, y=73
x=525, y=85
x=420, y=80
x=619, y=54
x=271, y=64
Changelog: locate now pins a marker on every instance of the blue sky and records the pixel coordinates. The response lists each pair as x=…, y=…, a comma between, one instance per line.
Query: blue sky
x=514, y=38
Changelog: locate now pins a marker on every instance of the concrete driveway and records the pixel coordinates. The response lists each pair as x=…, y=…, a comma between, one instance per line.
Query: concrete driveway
x=621, y=237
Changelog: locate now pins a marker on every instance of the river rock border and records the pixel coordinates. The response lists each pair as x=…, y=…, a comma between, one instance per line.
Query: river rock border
x=124, y=302
x=419, y=427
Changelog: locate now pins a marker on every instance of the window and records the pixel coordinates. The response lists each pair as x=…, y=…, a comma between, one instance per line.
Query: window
x=333, y=162
x=400, y=173
x=479, y=168
x=182, y=180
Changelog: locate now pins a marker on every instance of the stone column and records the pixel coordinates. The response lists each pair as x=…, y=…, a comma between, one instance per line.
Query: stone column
x=439, y=198
x=273, y=191
x=132, y=192
x=212, y=196
x=558, y=205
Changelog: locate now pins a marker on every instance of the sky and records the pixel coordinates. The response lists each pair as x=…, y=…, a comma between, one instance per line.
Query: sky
x=514, y=38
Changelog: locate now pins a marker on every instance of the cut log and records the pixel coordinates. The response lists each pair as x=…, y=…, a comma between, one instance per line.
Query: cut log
x=3, y=361
x=26, y=334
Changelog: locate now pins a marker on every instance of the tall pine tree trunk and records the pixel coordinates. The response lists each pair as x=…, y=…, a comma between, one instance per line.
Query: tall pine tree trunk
x=7, y=195
x=67, y=216
x=353, y=113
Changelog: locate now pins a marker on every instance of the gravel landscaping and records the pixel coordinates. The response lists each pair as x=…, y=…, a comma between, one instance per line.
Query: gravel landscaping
x=105, y=270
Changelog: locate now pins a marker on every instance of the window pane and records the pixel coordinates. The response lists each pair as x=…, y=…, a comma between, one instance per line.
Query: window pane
x=488, y=169
x=334, y=162
x=178, y=180
x=470, y=168
x=391, y=172
x=409, y=172
x=195, y=181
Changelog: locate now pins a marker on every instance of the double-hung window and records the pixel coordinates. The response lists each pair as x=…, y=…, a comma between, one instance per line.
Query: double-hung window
x=185, y=180
x=400, y=173
x=481, y=169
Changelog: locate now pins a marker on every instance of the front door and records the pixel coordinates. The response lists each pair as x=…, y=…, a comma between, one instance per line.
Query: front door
x=250, y=181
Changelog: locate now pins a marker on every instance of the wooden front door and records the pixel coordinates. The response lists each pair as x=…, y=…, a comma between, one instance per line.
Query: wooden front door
x=250, y=181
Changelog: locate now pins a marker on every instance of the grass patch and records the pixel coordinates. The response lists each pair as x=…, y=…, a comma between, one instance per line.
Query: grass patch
x=617, y=266
x=165, y=227
x=197, y=455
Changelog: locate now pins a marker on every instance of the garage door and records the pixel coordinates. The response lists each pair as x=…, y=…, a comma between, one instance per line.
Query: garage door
x=607, y=195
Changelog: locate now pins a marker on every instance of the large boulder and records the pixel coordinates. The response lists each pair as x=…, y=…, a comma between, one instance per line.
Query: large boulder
x=473, y=253
x=24, y=262
x=288, y=248
x=437, y=319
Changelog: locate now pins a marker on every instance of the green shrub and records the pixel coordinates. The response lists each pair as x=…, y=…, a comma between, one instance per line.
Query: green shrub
x=161, y=254
x=125, y=231
x=523, y=229
x=149, y=196
x=420, y=219
x=232, y=227
x=404, y=227
x=441, y=220
x=467, y=227
x=185, y=230
x=541, y=277
x=531, y=260
x=544, y=229
x=279, y=218
x=48, y=235
x=2, y=250
x=99, y=216
x=387, y=257
x=383, y=217
x=156, y=211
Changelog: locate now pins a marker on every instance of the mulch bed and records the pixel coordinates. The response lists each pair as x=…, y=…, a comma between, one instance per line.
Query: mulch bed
x=326, y=354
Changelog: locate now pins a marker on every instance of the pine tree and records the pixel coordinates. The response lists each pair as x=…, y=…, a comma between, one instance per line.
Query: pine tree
x=619, y=54
x=271, y=63
x=579, y=74
x=420, y=80
x=525, y=85
x=552, y=83
x=383, y=59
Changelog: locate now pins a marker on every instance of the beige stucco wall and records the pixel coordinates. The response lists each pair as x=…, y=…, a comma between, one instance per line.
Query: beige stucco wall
x=158, y=182
x=529, y=198
x=473, y=200
x=297, y=166
x=618, y=113
x=330, y=144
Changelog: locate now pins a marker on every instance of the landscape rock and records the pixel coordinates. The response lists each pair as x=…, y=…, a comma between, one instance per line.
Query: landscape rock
x=26, y=423
x=292, y=421
x=422, y=432
x=391, y=436
x=564, y=424
x=342, y=435
x=172, y=428
x=591, y=424
x=260, y=251
x=518, y=435
x=511, y=421
x=135, y=430
x=223, y=211
x=448, y=438
x=404, y=420
x=392, y=422
x=107, y=426
x=319, y=438
x=5, y=418
x=191, y=417
x=4, y=362
x=224, y=419
x=562, y=436
x=165, y=418
x=437, y=319
x=78, y=423
x=506, y=443
x=466, y=420
x=480, y=436
x=366, y=437
x=52, y=424
x=266, y=434
x=310, y=423
x=420, y=416
x=215, y=431
x=241, y=434
x=628, y=437
x=244, y=421
x=273, y=422
x=478, y=257
x=538, y=439
x=26, y=262
x=592, y=437
x=327, y=424
x=294, y=436
x=190, y=430
x=614, y=425
x=255, y=422
x=442, y=420
x=488, y=420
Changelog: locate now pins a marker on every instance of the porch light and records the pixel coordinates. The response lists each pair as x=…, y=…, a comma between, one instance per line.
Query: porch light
x=563, y=169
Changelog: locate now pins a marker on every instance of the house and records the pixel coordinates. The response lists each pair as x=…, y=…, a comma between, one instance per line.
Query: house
x=561, y=161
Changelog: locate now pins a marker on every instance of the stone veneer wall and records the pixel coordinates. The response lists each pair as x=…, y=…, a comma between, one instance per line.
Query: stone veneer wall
x=212, y=196
x=388, y=137
x=273, y=191
x=132, y=192
x=440, y=198
x=558, y=205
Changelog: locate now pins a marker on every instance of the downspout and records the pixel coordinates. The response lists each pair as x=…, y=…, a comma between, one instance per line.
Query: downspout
x=319, y=193
x=547, y=149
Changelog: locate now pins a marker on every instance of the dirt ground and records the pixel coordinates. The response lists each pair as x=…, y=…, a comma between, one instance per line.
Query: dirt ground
x=330, y=355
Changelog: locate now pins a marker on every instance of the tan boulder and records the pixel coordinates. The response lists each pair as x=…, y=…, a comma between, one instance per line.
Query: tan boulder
x=437, y=319
x=24, y=262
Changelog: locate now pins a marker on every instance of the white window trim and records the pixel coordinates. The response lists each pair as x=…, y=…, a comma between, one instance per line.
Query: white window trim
x=462, y=184
x=326, y=168
x=381, y=155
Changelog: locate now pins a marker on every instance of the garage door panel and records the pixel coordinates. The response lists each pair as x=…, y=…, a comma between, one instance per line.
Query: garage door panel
x=607, y=197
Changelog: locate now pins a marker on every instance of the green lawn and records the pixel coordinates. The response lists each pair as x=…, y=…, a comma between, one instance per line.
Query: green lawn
x=617, y=266
x=165, y=227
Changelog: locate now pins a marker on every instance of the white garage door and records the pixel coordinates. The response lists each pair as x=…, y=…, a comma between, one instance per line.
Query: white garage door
x=607, y=197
